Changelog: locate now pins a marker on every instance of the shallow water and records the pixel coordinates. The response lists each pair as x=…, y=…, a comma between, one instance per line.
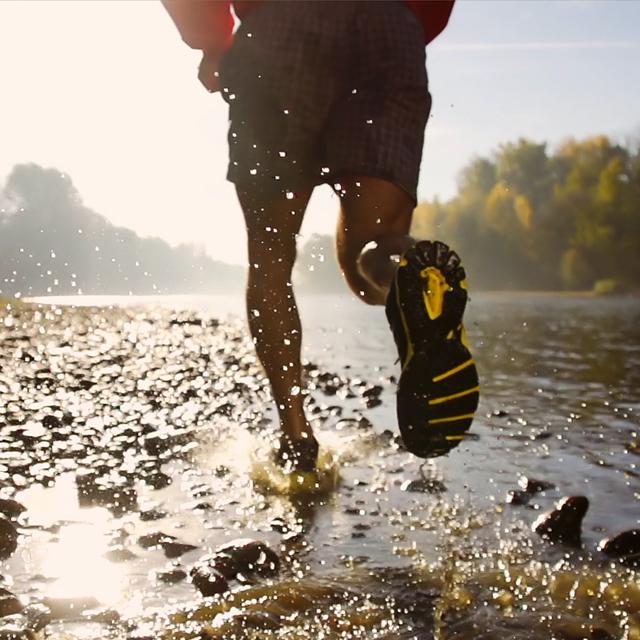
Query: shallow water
x=363, y=557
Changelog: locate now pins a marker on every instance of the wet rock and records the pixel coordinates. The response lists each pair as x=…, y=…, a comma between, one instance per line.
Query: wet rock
x=9, y=603
x=623, y=544
x=155, y=540
x=423, y=485
x=157, y=480
x=564, y=522
x=241, y=558
x=37, y=616
x=152, y=514
x=373, y=391
x=207, y=580
x=532, y=485
x=11, y=508
x=280, y=525
x=171, y=576
x=176, y=549
x=518, y=498
x=200, y=506
x=51, y=422
x=8, y=538
x=249, y=556
x=364, y=423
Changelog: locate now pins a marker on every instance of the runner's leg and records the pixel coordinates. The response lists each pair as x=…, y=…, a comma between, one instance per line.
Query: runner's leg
x=372, y=210
x=272, y=227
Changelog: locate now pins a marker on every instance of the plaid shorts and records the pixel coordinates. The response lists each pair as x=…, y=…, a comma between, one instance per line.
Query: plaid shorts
x=317, y=90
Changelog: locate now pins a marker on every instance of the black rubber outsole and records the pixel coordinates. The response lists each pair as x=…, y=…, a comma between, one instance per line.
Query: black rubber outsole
x=438, y=388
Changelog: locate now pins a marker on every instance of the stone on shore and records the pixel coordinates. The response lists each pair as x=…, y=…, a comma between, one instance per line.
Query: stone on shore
x=564, y=522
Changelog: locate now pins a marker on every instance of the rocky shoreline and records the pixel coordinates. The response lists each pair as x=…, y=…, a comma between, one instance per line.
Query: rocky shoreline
x=125, y=409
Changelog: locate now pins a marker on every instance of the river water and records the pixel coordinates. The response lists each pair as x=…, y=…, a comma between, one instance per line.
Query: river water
x=374, y=559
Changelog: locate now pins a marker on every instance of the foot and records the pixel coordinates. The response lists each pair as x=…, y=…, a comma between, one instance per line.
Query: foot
x=438, y=390
x=297, y=454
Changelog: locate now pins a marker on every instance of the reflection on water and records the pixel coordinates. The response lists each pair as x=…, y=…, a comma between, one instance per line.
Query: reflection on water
x=388, y=548
x=70, y=545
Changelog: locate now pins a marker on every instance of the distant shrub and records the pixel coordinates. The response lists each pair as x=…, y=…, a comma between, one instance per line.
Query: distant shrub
x=607, y=287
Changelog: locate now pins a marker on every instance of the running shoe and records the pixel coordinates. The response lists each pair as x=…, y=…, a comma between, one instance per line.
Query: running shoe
x=299, y=455
x=438, y=390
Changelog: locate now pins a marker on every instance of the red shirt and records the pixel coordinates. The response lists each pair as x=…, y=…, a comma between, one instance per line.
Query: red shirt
x=208, y=24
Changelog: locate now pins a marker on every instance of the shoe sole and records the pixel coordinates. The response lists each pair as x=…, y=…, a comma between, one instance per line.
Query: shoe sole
x=438, y=390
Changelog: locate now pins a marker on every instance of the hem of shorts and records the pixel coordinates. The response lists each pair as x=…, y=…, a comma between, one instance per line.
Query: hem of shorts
x=234, y=178
x=376, y=173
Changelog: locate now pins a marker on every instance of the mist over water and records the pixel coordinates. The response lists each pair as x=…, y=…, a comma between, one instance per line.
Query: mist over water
x=387, y=546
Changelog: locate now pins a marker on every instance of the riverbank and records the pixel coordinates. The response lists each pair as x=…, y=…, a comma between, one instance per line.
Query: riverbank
x=137, y=439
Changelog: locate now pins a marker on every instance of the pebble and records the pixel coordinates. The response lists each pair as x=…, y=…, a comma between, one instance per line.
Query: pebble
x=423, y=485
x=623, y=544
x=11, y=508
x=207, y=580
x=9, y=603
x=171, y=576
x=518, y=498
x=176, y=549
x=532, y=485
x=564, y=522
x=8, y=538
x=155, y=540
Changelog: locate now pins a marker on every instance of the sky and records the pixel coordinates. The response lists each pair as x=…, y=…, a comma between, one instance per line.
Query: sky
x=106, y=92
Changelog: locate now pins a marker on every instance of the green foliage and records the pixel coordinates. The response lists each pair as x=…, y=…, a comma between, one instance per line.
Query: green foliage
x=607, y=287
x=528, y=219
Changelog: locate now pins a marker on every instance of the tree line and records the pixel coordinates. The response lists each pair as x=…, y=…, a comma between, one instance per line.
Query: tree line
x=528, y=218
x=523, y=218
x=50, y=243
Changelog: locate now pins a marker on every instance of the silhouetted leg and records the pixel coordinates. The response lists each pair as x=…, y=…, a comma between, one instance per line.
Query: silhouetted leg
x=272, y=225
x=372, y=210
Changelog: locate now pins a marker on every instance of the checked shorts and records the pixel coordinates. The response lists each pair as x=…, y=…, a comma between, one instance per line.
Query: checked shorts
x=320, y=89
